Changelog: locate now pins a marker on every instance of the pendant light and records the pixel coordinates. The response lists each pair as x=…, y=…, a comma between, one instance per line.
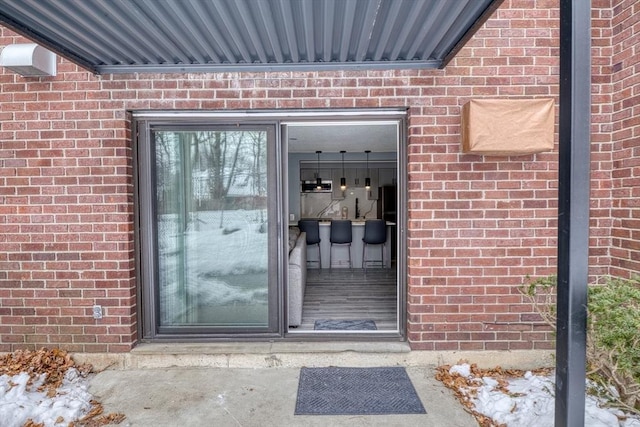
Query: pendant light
x=318, y=179
x=343, y=180
x=367, y=180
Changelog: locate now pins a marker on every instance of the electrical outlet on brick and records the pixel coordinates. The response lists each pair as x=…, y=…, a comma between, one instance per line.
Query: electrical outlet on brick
x=97, y=312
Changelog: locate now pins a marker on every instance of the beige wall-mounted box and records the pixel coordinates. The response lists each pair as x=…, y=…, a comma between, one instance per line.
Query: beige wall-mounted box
x=507, y=127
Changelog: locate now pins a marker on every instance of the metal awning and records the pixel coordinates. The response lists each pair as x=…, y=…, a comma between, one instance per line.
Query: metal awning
x=123, y=36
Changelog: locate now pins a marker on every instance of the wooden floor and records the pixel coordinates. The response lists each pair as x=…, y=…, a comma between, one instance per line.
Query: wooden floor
x=351, y=294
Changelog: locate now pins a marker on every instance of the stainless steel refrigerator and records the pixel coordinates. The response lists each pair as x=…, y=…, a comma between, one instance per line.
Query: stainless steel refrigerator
x=387, y=210
x=388, y=203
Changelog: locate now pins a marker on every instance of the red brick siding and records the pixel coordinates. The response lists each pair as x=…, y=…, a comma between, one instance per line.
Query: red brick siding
x=66, y=215
x=625, y=131
x=601, y=147
x=477, y=225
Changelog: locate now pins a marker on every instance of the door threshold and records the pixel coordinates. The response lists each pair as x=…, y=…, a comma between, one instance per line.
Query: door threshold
x=253, y=355
x=179, y=348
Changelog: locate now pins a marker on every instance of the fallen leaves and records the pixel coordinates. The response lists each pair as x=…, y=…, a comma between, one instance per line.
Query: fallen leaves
x=465, y=388
x=54, y=363
x=95, y=418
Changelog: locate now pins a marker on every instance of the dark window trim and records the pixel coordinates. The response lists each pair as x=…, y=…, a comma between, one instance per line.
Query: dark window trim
x=142, y=120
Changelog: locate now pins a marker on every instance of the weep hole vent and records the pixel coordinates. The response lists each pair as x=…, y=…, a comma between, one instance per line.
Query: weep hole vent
x=507, y=127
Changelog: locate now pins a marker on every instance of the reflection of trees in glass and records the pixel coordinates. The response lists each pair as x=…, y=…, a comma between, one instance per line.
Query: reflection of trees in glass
x=210, y=167
x=167, y=169
x=257, y=141
x=205, y=179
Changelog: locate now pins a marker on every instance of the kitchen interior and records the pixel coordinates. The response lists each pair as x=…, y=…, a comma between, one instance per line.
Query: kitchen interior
x=347, y=171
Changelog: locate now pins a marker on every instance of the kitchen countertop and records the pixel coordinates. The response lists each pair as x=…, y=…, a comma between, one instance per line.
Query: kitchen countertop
x=327, y=222
x=339, y=256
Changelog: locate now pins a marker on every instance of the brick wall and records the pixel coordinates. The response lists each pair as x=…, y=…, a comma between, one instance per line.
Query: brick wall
x=601, y=145
x=477, y=225
x=625, y=130
x=66, y=214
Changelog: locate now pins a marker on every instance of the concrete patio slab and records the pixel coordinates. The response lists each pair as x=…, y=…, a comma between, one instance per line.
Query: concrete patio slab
x=198, y=396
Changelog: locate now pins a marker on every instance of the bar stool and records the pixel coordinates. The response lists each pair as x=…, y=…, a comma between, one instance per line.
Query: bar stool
x=312, y=228
x=340, y=234
x=375, y=233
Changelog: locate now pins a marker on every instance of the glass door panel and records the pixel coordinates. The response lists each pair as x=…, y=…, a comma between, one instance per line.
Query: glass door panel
x=212, y=239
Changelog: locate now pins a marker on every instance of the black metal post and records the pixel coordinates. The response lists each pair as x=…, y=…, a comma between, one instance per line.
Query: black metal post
x=573, y=211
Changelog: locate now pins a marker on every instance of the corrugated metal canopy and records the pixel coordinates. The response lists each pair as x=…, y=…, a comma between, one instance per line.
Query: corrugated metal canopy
x=121, y=36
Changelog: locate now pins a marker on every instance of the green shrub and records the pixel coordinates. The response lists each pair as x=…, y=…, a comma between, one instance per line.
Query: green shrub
x=613, y=332
x=614, y=314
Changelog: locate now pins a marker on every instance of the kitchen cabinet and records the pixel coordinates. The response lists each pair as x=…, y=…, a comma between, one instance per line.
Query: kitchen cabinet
x=358, y=176
x=350, y=175
x=336, y=191
x=307, y=174
x=387, y=177
x=310, y=174
x=373, y=177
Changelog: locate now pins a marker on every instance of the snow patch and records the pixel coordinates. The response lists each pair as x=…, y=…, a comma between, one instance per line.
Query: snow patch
x=529, y=402
x=21, y=401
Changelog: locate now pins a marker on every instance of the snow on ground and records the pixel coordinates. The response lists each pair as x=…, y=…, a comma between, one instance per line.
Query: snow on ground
x=21, y=401
x=47, y=388
x=521, y=401
x=526, y=401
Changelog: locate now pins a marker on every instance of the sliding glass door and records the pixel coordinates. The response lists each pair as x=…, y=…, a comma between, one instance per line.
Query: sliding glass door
x=209, y=214
x=217, y=197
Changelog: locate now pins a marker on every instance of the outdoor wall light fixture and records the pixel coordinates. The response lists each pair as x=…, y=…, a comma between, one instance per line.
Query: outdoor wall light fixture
x=29, y=60
x=343, y=180
x=318, y=179
x=367, y=180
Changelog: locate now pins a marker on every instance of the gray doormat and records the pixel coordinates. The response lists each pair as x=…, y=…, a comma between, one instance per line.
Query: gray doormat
x=344, y=325
x=356, y=391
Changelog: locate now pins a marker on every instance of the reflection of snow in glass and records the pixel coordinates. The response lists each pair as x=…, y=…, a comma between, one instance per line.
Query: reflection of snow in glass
x=201, y=263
